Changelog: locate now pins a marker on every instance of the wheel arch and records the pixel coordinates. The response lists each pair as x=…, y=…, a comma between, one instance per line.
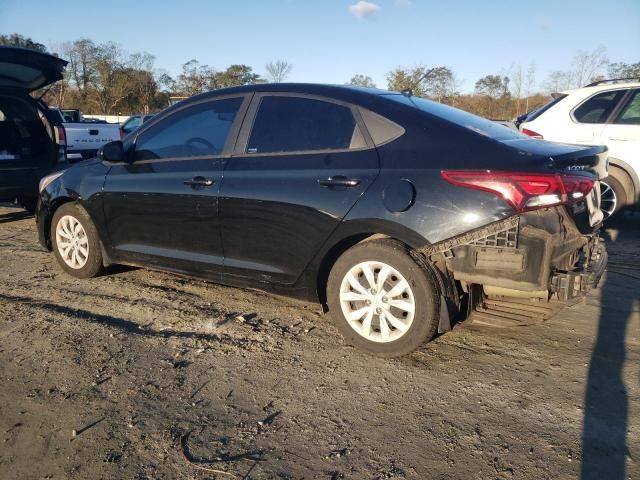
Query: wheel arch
x=48, y=217
x=351, y=234
x=632, y=176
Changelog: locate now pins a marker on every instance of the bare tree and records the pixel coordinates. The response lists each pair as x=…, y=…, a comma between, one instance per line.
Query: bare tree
x=143, y=83
x=112, y=80
x=278, y=71
x=588, y=65
x=58, y=90
x=558, y=80
x=80, y=55
x=517, y=84
x=530, y=81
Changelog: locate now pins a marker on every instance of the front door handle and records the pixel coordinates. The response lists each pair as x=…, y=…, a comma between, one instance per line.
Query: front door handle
x=339, y=181
x=199, y=182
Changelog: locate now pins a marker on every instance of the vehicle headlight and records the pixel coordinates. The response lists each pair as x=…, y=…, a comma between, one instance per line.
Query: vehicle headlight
x=45, y=181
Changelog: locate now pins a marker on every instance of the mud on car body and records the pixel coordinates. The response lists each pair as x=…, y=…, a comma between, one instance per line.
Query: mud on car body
x=398, y=213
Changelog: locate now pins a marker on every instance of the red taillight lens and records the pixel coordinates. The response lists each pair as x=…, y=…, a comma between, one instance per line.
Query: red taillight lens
x=532, y=134
x=121, y=133
x=524, y=191
x=61, y=136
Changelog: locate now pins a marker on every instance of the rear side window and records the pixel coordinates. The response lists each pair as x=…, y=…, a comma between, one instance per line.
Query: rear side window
x=598, y=108
x=197, y=131
x=630, y=115
x=381, y=129
x=295, y=124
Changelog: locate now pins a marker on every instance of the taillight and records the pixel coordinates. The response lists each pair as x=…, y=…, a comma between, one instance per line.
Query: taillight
x=121, y=133
x=532, y=134
x=524, y=191
x=61, y=136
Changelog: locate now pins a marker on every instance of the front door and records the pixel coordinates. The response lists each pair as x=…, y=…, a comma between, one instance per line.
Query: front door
x=301, y=163
x=161, y=207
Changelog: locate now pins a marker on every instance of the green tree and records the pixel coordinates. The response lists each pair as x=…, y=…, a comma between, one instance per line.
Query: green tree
x=17, y=40
x=624, y=70
x=113, y=80
x=360, y=80
x=438, y=83
x=493, y=86
x=195, y=78
x=235, y=75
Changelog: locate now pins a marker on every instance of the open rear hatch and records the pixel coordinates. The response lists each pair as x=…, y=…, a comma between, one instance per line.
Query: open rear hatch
x=28, y=70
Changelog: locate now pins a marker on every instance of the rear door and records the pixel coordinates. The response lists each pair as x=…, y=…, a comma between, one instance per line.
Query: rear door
x=162, y=208
x=300, y=164
x=589, y=118
x=622, y=133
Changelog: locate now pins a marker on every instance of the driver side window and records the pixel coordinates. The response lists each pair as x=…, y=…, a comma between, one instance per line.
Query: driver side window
x=197, y=131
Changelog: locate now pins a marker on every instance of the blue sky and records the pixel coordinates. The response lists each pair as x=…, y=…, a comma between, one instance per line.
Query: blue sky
x=331, y=40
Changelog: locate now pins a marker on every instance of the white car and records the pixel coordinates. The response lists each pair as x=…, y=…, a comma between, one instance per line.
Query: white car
x=602, y=113
x=85, y=138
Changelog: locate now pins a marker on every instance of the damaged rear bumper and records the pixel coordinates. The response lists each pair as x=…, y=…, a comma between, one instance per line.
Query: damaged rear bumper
x=540, y=254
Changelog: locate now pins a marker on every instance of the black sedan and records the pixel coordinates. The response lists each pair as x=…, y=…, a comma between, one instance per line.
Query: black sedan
x=397, y=213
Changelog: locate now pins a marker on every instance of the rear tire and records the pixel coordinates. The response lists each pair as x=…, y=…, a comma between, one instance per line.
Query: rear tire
x=381, y=300
x=613, y=193
x=75, y=241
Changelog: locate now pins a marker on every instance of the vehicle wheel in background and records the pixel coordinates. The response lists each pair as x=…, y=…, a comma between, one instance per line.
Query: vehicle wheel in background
x=613, y=193
x=75, y=241
x=381, y=300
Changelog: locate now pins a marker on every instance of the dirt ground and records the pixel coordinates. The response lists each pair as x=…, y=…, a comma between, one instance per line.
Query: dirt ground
x=145, y=375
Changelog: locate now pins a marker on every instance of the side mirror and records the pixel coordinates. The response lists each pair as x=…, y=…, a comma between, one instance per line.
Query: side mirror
x=112, y=152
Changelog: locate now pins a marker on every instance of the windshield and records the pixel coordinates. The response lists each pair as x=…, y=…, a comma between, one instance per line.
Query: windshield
x=536, y=112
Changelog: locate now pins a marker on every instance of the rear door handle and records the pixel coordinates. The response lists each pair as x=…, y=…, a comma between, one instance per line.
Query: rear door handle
x=199, y=182
x=339, y=181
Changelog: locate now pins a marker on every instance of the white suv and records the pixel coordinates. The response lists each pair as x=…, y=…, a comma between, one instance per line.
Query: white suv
x=602, y=113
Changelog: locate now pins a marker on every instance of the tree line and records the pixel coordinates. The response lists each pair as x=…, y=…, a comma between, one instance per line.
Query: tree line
x=102, y=78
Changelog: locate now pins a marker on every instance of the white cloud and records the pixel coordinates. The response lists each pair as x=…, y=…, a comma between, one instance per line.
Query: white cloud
x=364, y=9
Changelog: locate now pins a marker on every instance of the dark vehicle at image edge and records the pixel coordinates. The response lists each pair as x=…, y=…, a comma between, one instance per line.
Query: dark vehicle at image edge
x=32, y=138
x=394, y=211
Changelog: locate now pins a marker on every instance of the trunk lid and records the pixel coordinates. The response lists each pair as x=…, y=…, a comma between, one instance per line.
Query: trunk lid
x=28, y=70
x=561, y=157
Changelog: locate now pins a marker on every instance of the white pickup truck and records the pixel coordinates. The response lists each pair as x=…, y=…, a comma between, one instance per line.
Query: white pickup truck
x=84, y=138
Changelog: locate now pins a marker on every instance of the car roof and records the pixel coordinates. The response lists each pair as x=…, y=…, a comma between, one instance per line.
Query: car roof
x=602, y=87
x=345, y=92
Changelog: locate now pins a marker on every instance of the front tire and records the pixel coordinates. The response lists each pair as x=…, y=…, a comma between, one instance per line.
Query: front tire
x=381, y=300
x=75, y=242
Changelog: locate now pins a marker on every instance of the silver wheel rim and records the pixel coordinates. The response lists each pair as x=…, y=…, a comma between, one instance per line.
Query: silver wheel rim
x=377, y=302
x=72, y=242
x=608, y=199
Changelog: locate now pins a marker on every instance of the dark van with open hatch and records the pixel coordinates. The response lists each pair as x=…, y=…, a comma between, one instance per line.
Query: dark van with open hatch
x=32, y=138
